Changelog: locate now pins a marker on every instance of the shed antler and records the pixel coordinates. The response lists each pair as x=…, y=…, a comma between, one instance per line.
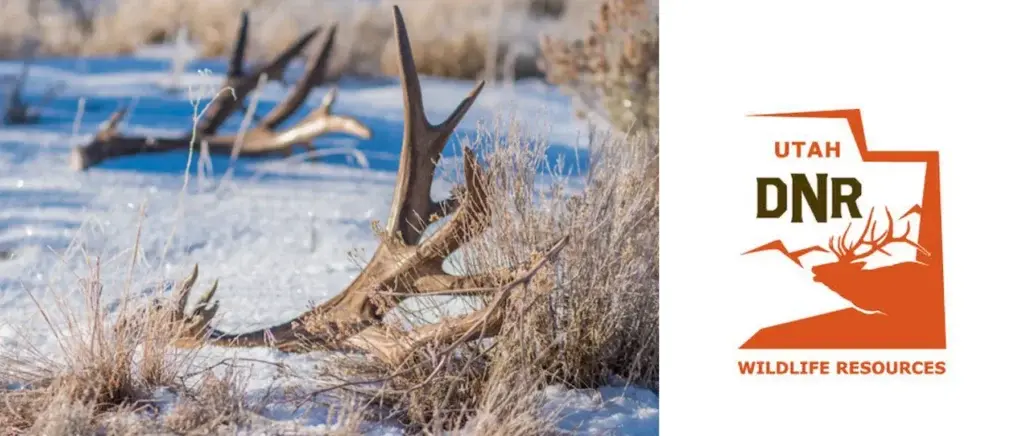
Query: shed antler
x=261, y=140
x=406, y=263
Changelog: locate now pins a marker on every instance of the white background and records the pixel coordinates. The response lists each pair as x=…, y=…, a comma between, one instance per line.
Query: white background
x=925, y=75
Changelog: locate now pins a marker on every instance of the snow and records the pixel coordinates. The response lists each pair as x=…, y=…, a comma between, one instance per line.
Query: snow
x=280, y=235
x=610, y=409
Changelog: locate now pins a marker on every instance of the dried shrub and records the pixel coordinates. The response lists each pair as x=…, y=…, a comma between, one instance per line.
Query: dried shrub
x=215, y=404
x=65, y=417
x=601, y=319
x=613, y=69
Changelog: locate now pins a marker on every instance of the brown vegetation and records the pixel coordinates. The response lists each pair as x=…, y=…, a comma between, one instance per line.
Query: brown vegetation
x=613, y=69
x=456, y=38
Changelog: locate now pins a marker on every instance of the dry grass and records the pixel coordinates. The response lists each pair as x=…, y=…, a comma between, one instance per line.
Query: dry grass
x=109, y=373
x=453, y=38
x=613, y=68
x=590, y=316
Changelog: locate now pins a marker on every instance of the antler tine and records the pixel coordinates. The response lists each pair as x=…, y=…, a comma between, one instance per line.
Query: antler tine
x=241, y=40
x=878, y=244
x=276, y=67
x=313, y=76
x=111, y=124
x=411, y=91
x=868, y=227
x=202, y=313
x=905, y=238
x=221, y=108
x=17, y=111
x=470, y=218
x=842, y=240
x=329, y=98
x=888, y=231
x=184, y=288
x=102, y=146
x=422, y=144
x=842, y=248
x=868, y=231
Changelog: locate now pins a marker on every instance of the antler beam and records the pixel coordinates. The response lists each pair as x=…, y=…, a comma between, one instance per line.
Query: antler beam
x=406, y=263
x=263, y=139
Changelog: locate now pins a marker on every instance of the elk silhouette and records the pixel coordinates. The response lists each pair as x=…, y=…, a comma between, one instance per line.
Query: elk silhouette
x=895, y=306
x=873, y=290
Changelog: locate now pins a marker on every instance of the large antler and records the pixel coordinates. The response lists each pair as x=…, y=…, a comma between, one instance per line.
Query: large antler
x=264, y=138
x=848, y=252
x=406, y=263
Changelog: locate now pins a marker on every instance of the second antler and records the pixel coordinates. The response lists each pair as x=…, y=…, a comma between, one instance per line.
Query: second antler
x=264, y=138
x=407, y=263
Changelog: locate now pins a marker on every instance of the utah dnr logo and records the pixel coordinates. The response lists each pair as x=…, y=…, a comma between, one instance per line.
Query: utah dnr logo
x=880, y=251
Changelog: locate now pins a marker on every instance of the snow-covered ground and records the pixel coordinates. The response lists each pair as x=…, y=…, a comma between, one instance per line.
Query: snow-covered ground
x=279, y=235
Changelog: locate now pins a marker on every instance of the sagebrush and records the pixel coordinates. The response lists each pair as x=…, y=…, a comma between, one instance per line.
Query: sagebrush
x=613, y=68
